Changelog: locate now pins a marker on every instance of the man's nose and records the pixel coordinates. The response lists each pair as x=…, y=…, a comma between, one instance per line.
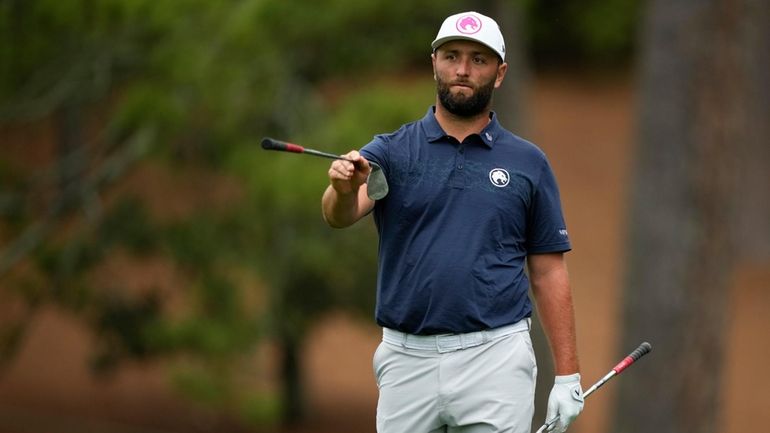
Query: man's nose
x=463, y=68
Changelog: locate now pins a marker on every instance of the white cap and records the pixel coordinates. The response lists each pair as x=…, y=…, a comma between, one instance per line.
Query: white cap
x=471, y=26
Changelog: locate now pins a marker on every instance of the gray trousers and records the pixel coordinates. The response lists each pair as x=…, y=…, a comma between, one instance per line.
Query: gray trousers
x=481, y=382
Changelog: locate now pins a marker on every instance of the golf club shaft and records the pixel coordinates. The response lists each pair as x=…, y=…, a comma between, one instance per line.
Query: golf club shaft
x=377, y=184
x=273, y=144
x=640, y=351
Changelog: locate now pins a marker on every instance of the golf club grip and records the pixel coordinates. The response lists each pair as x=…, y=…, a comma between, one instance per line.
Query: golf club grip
x=273, y=144
x=640, y=351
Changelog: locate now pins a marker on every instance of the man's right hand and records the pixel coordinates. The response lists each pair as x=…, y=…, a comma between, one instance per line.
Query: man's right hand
x=346, y=177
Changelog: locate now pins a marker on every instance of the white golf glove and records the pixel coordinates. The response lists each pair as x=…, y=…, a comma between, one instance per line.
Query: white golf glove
x=566, y=401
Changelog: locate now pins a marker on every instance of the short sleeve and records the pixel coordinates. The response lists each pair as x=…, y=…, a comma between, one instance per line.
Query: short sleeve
x=546, y=230
x=377, y=151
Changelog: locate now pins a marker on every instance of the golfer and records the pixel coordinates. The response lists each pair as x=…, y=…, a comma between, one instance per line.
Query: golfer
x=469, y=204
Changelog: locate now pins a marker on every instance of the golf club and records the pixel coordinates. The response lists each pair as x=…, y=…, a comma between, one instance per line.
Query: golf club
x=640, y=351
x=377, y=185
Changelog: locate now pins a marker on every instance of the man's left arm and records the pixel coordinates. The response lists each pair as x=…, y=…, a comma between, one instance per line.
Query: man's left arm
x=553, y=297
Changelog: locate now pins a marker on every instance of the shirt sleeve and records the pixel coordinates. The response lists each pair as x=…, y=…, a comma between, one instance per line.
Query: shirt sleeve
x=377, y=151
x=547, y=231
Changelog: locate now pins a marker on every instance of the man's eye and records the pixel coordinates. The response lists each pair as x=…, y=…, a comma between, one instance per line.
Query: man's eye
x=479, y=60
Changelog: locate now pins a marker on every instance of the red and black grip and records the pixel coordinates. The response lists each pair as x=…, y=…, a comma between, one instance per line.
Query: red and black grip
x=273, y=144
x=640, y=351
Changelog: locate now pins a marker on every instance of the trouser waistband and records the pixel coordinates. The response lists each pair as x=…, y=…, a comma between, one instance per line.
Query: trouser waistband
x=443, y=343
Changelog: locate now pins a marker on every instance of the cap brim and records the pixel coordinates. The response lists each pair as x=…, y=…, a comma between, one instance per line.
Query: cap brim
x=439, y=42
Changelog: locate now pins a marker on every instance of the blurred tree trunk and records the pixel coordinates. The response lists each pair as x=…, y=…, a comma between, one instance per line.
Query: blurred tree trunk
x=287, y=331
x=512, y=96
x=754, y=200
x=699, y=118
x=293, y=406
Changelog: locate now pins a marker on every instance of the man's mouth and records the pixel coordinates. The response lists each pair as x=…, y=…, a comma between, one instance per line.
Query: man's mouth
x=462, y=86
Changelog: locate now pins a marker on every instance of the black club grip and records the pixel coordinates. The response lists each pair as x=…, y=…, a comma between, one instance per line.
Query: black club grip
x=640, y=351
x=273, y=144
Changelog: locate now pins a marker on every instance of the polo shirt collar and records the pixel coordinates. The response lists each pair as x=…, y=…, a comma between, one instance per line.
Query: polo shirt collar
x=434, y=132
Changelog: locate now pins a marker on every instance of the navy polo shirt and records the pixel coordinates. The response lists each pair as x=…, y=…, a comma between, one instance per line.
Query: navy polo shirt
x=457, y=225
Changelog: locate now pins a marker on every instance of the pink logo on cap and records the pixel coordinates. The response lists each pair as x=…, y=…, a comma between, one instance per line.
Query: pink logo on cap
x=468, y=24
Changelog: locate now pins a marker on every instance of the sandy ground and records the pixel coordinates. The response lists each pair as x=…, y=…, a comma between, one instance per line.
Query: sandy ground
x=585, y=128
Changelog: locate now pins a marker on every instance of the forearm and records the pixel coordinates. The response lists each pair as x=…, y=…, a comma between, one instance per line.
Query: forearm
x=553, y=298
x=342, y=210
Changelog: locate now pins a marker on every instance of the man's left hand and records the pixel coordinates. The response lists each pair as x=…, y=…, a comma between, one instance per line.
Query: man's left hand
x=566, y=401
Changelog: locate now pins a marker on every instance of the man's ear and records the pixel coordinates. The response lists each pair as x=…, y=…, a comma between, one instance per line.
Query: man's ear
x=433, y=62
x=501, y=70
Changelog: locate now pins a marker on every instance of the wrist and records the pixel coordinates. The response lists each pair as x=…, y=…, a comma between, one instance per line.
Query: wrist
x=567, y=378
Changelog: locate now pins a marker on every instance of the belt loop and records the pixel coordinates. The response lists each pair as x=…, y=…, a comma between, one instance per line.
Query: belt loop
x=404, y=336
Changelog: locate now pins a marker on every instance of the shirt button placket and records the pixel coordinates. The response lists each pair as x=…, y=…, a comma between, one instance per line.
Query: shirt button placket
x=458, y=176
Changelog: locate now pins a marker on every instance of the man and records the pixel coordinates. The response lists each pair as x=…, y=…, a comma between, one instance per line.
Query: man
x=469, y=204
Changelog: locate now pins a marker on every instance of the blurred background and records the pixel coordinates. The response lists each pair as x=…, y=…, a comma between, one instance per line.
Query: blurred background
x=160, y=273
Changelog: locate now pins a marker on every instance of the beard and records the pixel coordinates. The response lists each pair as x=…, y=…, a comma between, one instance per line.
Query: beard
x=465, y=106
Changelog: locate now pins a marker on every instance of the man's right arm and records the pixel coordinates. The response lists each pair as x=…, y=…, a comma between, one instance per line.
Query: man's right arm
x=345, y=200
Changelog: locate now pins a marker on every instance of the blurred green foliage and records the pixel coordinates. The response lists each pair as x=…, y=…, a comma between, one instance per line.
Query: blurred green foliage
x=193, y=85
x=582, y=33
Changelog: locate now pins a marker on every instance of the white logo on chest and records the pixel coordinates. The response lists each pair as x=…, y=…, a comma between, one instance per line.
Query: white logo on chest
x=499, y=177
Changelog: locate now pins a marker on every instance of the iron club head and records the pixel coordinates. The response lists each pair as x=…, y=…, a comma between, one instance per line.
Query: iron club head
x=376, y=184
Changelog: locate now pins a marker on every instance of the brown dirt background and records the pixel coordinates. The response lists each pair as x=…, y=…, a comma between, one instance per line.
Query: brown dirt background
x=586, y=127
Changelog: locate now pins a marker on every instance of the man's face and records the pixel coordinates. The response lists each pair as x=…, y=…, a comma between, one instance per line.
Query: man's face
x=466, y=75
